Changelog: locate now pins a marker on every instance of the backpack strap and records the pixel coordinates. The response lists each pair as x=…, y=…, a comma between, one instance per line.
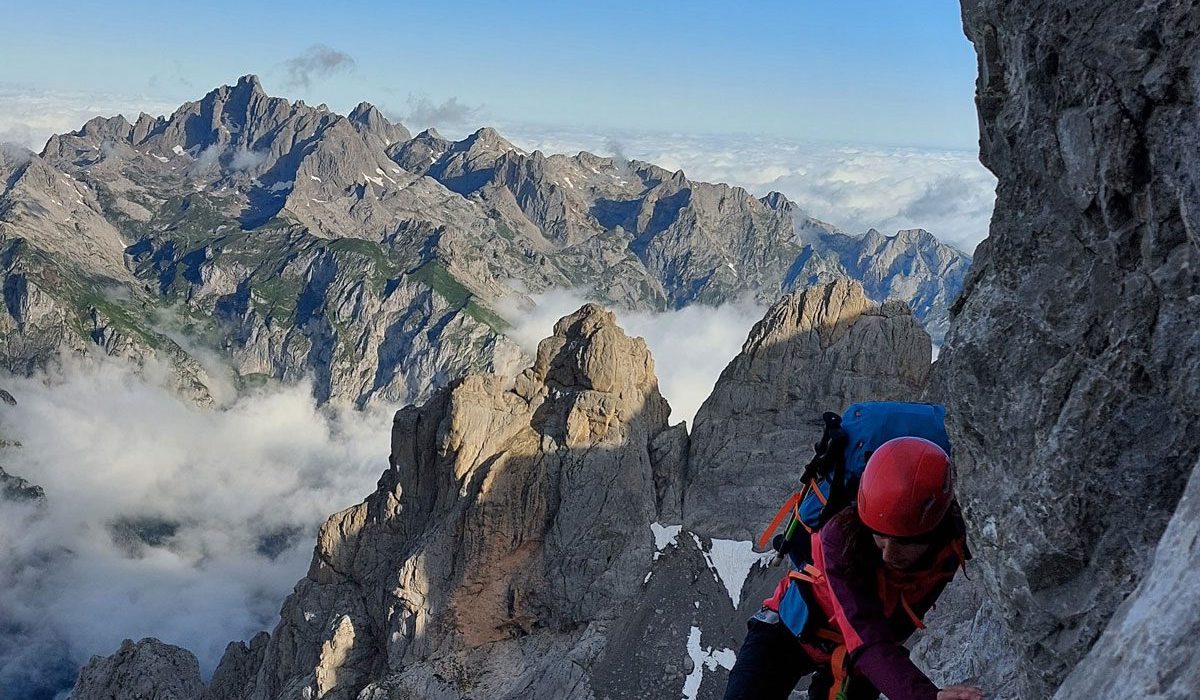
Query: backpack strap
x=790, y=507
x=827, y=459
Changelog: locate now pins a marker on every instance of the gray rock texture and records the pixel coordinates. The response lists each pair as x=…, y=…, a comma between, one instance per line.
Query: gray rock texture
x=1072, y=366
x=15, y=488
x=147, y=670
x=1149, y=648
x=817, y=350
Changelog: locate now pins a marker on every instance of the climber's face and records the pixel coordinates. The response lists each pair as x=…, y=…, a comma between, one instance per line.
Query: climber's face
x=900, y=553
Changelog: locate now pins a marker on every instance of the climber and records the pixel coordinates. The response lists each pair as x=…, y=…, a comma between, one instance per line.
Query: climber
x=877, y=567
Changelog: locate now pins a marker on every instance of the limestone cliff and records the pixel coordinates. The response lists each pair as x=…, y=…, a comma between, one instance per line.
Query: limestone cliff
x=1072, y=367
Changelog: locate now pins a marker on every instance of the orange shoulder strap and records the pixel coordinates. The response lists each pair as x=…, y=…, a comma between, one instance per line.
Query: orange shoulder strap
x=789, y=507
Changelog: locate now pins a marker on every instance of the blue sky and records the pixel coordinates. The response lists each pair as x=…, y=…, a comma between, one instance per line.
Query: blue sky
x=894, y=72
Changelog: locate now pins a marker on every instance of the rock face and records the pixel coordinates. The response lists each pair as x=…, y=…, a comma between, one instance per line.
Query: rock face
x=1149, y=649
x=527, y=542
x=1072, y=367
x=815, y=351
x=148, y=670
x=911, y=266
x=514, y=517
x=15, y=488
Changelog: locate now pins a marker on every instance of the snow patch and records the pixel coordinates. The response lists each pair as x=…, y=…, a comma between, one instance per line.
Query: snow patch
x=568, y=181
x=314, y=178
x=281, y=186
x=647, y=579
x=177, y=150
x=664, y=536
x=308, y=617
x=703, y=658
x=731, y=561
x=160, y=159
x=395, y=170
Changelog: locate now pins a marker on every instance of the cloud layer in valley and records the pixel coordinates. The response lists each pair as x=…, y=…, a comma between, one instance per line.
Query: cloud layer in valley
x=948, y=193
x=192, y=524
x=161, y=518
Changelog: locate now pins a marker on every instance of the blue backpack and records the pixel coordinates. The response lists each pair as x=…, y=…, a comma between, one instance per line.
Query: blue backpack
x=829, y=482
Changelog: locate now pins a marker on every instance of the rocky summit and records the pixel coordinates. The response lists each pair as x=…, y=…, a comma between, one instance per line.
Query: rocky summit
x=294, y=242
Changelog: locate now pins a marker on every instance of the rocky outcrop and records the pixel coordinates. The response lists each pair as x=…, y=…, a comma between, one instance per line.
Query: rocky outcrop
x=514, y=518
x=14, y=488
x=911, y=266
x=1072, y=366
x=147, y=670
x=817, y=350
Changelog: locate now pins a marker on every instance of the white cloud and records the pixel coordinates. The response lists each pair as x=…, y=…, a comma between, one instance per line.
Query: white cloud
x=855, y=188
x=690, y=346
x=245, y=488
x=247, y=160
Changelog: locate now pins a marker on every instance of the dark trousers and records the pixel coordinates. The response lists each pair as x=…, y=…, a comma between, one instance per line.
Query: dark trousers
x=771, y=662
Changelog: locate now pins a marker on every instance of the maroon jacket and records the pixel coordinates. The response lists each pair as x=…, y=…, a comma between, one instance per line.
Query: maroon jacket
x=875, y=611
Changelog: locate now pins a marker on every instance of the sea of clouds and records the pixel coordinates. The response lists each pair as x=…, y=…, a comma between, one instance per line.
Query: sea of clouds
x=232, y=498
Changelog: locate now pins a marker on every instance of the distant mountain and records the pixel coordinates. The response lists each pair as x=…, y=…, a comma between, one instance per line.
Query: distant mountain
x=296, y=242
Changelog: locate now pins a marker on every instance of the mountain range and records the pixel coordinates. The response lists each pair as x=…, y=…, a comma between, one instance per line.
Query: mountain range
x=286, y=241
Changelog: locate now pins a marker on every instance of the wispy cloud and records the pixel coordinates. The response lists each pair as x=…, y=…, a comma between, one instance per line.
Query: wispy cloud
x=423, y=112
x=314, y=63
x=227, y=503
x=853, y=187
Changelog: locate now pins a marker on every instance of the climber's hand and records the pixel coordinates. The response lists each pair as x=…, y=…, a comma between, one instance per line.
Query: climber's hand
x=960, y=692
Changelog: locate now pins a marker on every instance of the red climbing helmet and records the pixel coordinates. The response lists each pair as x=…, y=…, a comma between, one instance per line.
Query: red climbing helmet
x=906, y=488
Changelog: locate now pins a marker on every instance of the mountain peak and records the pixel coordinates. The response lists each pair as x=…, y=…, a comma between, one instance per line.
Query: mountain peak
x=365, y=111
x=590, y=351
x=489, y=138
x=777, y=201
x=250, y=82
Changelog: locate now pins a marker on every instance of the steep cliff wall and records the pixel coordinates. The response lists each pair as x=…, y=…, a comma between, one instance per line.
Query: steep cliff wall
x=1072, y=366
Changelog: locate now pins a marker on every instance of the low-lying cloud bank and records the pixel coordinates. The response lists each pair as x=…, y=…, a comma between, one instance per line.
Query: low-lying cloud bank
x=948, y=193
x=29, y=116
x=162, y=518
